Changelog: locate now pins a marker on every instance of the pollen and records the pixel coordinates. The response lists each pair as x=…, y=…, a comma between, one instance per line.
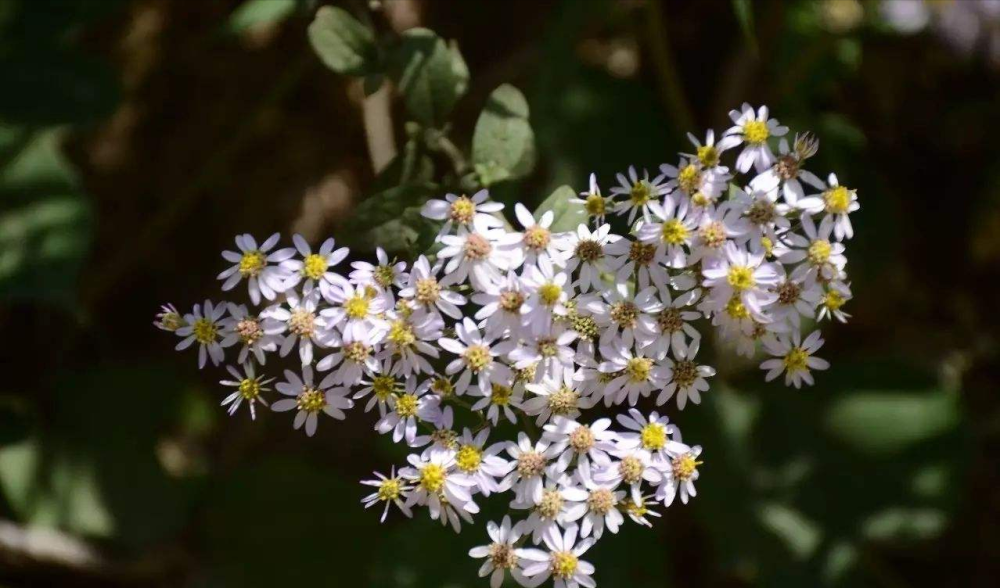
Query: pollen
x=708, y=155
x=501, y=394
x=581, y=439
x=550, y=293
x=547, y=347
x=795, y=360
x=468, y=459
x=639, y=368
x=736, y=309
x=788, y=292
x=477, y=247
x=357, y=352
x=641, y=193
x=595, y=205
x=633, y=508
x=563, y=564
x=311, y=400
x=530, y=463
x=383, y=387
x=462, y=210
x=314, y=266
x=401, y=334
x=442, y=386
x=550, y=504
x=252, y=263
x=689, y=178
x=432, y=477
x=502, y=556
x=834, y=300
x=601, y=501
x=631, y=469
x=819, y=251
x=684, y=466
x=537, y=237
x=564, y=401
x=428, y=291
x=526, y=374
x=625, y=314
x=390, y=489
x=356, y=307
x=250, y=388
x=249, y=331
x=588, y=251
x=302, y=322
x=205, y=331
x=171, y=321
x=641, y=253
x=674, y=232
x=653, y=437
x=713, y=234
x=511, y=301
x=384, y=275
x=685, y=373
x=445, y=438
x=407, y=405
x=701, y=199
x=740, y=278
x=837, y=200
x=761, y=212
x=477, y=357
x=669, y=320
x=755, y=132
x=585, y=326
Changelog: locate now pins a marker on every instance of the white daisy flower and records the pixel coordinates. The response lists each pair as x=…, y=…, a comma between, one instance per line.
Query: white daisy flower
x=169, y=319
x=629, y=258
x=255, y=264
x=788, y=172
x=406, y=407
x=437, y=484
x=463, y=211
x=353, y=360
x=556, y=396
x=708, y=154
x=717, y=225
x=560, y=505
x=593, y=202
x=638, y=510
x=310, y=399
x=501, y=555
x=689, y=179
x=837, y=294
x=357, y=313
x=481, y=255
x=550, y=353
x=249, y=387
x=481, y=463
x=743, y=274
x=408, y=340
x=639, y=192
x=673, y=234
x=686, y=378
x=531, y=466
x=548, y=291
x=602, y=504
x=258, y=334
x=650, y=433
x=315, y=268
x=794, y=357
x=562, y=560
x=673, y=327
x=635, y=375
x=624, y=318
x=477, y=356
x=538, y=240
x=500, y=400
x=836, y=202
x=390, y=489
x=205, y=328
x=569, y=439
x=795, y=300
x=587, y=257
x=302, y=324
x=765, y=218
x=681, y=474
x=443, y=435
x=821, y=257
x=633, y=467
x=502, y=306
x=752, y=129
x=427, y=294
x=380, y=387
x=385, y=276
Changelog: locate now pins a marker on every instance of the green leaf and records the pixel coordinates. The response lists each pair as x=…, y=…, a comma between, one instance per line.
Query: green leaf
x=50, y=86
x=45, y=222
x=568, y=215
x=259, y=12
x=345, y=45
x=503, y=138
x=431, y=75
x=744, y=15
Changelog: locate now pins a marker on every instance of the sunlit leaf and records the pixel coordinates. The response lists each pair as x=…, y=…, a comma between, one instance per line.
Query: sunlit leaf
x=431, y=76
x=254, y=13
x=568, y=215
x=503, y=137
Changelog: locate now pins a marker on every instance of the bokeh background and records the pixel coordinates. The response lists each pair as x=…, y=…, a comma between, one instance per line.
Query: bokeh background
x=137, y=137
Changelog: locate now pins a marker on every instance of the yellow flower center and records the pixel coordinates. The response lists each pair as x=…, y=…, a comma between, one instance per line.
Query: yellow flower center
x=588, y=251
x=301, y=322
x=205, y=331
x=442, y=386
x=357, y=352
x=837, y=200
x=401, y=334
x=252, y=263
x=735, y=309
x=595, y=205
x=537, y=237
x=428, y=291
x=477, y=357
x=689, y=179
x=834, y=300
x=563, y=564
x=708, y=155
x=755, y=132
x=468, y=459
x=669, y=320
x=550, y=504
x=383, y=387
x=501, y=395
x=641, y=253
x=601, y=501
x=635, y=509
x=674, y=232
x=713, y=234
x=625, y=314
x=356, y=307
x=564, y=401
x=384, y=275
x=530, y=463
x=311, y=400
x=581, y=439
x=550, y=293
x=641, y=193
x=684, y=466
x=795, y=360
x=502, y=556
x=314, y=266
x=653, y=437
x=685, y=373
x=740, y=277
x=819, y=251
x=390, y=489
x=406, y=405
x=477, y=247
x=639, y=368
x=631, y=468
x=462, y=210
x=249, y=388
x=511, y=301
x=432, y=478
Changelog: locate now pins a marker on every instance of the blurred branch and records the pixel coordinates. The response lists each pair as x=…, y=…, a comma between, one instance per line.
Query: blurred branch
x=668, y=80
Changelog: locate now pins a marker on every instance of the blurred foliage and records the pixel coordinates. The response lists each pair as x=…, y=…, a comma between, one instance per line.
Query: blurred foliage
x=883, y=474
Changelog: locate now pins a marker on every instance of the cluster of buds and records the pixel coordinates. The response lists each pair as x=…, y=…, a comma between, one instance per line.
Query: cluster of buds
x=537, y=326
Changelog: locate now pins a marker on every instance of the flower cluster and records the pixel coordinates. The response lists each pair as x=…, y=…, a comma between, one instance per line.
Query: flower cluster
x=535, y=326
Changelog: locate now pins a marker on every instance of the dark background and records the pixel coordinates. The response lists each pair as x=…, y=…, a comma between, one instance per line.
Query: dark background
x=136, y=138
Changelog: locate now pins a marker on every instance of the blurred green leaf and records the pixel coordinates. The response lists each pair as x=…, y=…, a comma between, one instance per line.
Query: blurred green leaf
x=385, y=206
x=431, y=75
x=886, y=423
x=51, y=86
x=743, y=9
x=258, y=12
x=568, y=215
x=345, y=45
x=45, y=223
x=503, y=144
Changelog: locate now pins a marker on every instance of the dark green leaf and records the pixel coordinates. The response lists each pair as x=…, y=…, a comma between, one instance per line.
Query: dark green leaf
x=503, y=144
x=345, y=45
x=744, y=15
x=431, y=75
x=259, y=12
